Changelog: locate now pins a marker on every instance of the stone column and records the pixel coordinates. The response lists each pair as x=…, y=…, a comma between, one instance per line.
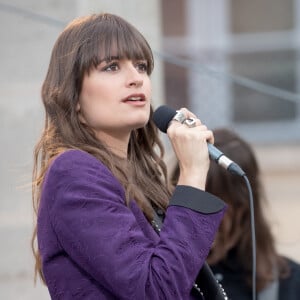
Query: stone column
x=208, y=38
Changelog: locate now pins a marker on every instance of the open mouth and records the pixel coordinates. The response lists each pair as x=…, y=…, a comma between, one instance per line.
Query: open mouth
x=135, y=98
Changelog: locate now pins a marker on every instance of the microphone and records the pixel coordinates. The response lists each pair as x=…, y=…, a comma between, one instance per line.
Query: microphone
x=162, y=117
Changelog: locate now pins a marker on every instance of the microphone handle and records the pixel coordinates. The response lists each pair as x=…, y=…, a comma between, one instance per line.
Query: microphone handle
x=221, y=159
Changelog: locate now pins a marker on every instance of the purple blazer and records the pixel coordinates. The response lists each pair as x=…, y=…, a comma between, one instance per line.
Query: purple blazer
x=93, y=246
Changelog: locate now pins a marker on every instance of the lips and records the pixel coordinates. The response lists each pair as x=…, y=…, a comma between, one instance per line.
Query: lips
x=135, y=98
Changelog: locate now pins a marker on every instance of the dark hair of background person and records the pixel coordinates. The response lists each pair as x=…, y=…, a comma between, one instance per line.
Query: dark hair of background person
x=234, y=232
x=73, y=56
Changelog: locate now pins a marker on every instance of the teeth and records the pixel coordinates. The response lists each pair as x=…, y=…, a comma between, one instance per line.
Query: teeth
x=134, y=98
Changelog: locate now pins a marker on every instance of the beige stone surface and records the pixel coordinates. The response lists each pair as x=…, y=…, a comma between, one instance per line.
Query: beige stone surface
x=280, y=166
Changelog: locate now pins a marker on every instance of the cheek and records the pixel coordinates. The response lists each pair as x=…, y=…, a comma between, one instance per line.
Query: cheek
x=90, y=91
x=93, y=87
x=91, y=111
x=92, y=94
x=89, y=105
x=148, y=84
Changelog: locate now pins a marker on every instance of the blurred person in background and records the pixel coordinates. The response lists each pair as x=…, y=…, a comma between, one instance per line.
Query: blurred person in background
x=99, y=176
x=277, y=277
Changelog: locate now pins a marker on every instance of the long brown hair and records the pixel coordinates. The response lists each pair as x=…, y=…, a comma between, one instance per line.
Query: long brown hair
x=235, y=230
x=83, y=44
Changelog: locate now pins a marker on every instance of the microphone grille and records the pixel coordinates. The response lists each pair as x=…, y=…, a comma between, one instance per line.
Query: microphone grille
x=162, y=117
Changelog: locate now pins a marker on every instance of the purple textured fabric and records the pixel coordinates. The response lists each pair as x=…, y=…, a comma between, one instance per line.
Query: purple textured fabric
x=93, y=246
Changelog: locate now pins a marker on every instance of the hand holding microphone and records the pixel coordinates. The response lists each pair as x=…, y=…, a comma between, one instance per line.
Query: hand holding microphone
x=162, y=118
x=188, y=138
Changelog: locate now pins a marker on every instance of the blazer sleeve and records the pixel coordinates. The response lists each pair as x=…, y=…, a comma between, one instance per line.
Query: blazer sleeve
x=86, y=207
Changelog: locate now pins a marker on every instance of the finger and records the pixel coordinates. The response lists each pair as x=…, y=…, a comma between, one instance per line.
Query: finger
x=191, y=122
x=185, y=126
x=209, y=136
x=184, y=116
x=187, y=113
x=204, y=132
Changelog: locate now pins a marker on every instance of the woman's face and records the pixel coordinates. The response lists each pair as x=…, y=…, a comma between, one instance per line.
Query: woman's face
x=115, y=97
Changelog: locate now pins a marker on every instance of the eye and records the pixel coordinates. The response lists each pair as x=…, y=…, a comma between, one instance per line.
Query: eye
x=142, y=66
x=111, y=67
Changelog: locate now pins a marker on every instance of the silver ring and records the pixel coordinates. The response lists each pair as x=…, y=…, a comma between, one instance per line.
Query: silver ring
x=190, y=122
x=179, y=117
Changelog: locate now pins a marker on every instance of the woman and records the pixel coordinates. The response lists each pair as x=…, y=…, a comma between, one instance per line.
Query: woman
x=278, y=278
x=98, y=178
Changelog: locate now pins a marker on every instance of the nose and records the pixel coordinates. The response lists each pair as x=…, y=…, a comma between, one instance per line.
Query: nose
x=134, y=77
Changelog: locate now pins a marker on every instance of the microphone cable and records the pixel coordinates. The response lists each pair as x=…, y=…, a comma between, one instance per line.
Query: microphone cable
x=253, y=237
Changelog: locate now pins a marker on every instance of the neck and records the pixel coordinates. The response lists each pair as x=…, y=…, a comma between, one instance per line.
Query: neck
x=116, y=143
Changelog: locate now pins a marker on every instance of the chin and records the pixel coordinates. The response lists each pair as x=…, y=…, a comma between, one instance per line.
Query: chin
x=142, y=120
x=141, y=123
